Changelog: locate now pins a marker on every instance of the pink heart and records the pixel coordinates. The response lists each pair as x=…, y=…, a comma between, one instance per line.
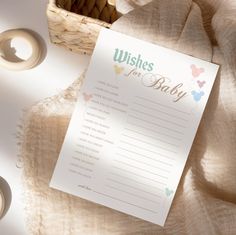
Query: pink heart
x=200, y=83
x=87, y=97
x=196, y=71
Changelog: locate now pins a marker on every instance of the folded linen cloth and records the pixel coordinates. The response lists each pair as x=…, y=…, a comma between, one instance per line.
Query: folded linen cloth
x=125, y=6
x=205, y=202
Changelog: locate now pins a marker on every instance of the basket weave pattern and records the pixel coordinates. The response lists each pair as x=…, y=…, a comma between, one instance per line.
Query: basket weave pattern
x=97, y=9
x=78, y=30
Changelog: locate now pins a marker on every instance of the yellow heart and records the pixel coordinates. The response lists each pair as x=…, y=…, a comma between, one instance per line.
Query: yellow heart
x=118, y=69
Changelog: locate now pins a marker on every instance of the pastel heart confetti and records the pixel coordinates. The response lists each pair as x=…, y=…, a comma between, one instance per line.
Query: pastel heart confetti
x=197, y=95
x=118, y=69
x=168, y=192
x=87, y=97
x=196, y=72
x=200, y=83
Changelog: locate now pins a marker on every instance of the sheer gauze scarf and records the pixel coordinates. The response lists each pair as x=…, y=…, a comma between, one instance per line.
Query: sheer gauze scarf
x=205, y=202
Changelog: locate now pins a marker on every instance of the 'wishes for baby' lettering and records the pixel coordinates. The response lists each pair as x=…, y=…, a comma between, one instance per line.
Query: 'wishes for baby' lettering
x=160, y=83
x=163, y=84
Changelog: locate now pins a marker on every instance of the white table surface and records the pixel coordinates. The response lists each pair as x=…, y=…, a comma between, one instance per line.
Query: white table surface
x=19, y=90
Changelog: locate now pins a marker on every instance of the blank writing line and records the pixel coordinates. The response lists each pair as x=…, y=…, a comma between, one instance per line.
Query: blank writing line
x=141, y=169
x=153, y=123
x=166, y=106
x=134, y=195
x=154, y=131
x=160, y=111
x=154, y=145
x=148, y=185
x=122, y=155
x=132, y=173
x=153, y=137
x=130, y=186
x=139, y=154
x=125, y=142
x=131, y=204
x=162, y=119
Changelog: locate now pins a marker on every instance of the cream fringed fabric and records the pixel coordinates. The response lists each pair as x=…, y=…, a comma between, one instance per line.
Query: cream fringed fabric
x=205, y=202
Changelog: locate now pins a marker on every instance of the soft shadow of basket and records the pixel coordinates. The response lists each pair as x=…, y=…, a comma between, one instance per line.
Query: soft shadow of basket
x=75, y=24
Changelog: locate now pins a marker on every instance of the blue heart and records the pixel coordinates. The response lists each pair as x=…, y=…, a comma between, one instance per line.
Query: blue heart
x=168, y=192
x=197, y=95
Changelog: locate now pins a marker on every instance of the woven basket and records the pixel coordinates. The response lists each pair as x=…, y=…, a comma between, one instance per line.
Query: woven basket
x=75, y=24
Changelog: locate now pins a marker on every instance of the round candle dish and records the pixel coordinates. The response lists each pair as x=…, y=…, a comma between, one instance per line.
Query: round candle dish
x=2, y=203
x=32, y=61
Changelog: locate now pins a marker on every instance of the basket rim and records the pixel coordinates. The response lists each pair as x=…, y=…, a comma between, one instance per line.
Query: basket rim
x=53, y=6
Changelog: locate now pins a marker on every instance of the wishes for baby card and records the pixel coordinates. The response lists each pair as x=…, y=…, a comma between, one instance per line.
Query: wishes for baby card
x=133, y=126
